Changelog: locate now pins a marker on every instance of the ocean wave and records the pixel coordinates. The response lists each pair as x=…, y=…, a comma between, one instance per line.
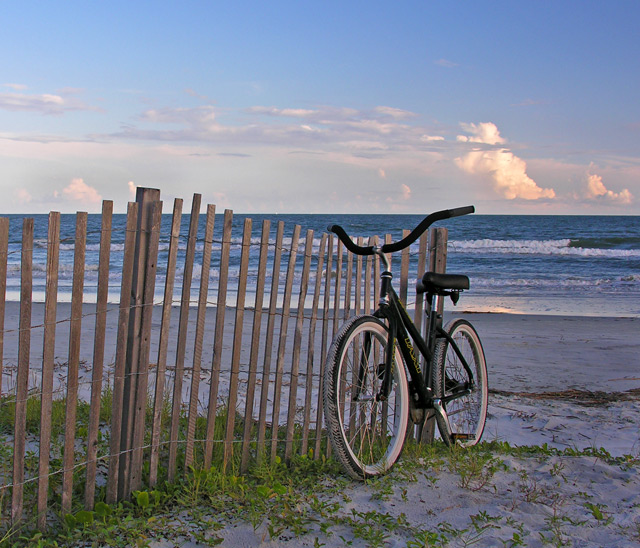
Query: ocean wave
x=536, y=247
x=629, y=281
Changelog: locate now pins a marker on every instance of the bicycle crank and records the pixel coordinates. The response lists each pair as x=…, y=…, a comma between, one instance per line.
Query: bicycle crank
x=442, y=413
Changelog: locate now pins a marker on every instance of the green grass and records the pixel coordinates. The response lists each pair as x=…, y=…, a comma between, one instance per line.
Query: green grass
x=295, y=498
x=305, y=497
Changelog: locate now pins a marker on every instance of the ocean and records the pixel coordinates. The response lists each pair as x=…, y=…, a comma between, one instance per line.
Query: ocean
x=576, y=265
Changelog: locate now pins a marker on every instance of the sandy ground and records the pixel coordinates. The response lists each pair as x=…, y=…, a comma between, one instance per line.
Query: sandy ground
x=568, y=382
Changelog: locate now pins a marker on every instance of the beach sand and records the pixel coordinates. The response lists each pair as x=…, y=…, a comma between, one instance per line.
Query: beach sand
x=568, y=382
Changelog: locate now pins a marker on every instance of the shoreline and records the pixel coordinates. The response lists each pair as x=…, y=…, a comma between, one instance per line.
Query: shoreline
x=607, y=305
x=524, y=352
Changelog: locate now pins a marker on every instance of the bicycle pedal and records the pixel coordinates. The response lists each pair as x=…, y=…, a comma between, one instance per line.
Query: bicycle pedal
x=463, y=437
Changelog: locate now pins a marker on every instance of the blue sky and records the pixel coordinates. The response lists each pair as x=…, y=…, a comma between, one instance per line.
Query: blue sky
x=407, y=107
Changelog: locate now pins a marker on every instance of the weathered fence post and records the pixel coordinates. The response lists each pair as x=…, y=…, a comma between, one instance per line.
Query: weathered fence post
x=121, y=353
x=437, y=263
x=216, y=363
x=98, y=352
x=199, y=337
x=284, y=322
x=48, y=356
x=137, y=363
x=75, y=334
x=255, y=344
x=237, y=344
x=182, y=336
x=22, y=381
x=165, y=326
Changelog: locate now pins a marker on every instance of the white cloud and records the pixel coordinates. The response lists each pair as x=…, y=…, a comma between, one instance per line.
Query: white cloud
x=484, y=132
x=288, y=112
x=22, y=195
x=200, y=117
x=406, y=192
x=507, y=172
x=396, y=113
x=45, y=103
x=328, y=125
x=596, y=190
x=431, y=138
x=80, y=191
x=17, y=87
x=382, y=173
x=132, y=188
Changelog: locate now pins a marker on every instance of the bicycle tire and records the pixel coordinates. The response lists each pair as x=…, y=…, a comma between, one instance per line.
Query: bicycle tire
x=367, y=436
x=466, y=415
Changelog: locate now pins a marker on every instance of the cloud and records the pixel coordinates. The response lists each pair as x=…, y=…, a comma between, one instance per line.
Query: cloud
x=406, y=192
x=132, y=188
x=382, y=173
x=286, y=112
x=485, y=132
x=395, y=113
x=17, y=87
x=505, y=169
x=45, y=103
x=595, y=190
x=79, y=191
x=22, y=195
x=202, y=117
x=431, y=138
x=311, y=127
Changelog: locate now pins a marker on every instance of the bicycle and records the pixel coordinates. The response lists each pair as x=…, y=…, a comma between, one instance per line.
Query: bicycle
x=368, y=398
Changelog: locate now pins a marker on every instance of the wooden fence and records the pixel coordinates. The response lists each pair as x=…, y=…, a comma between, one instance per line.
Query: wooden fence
x=191, y=382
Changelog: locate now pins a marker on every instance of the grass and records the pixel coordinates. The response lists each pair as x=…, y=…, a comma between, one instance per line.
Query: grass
x=305, y=497
x=198, y=487
x=302, y=497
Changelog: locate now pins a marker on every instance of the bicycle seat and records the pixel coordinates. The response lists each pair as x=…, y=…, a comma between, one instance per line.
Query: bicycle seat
x=434, y=283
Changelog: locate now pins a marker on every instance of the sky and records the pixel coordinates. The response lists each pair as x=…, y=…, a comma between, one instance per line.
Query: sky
x=321, y=107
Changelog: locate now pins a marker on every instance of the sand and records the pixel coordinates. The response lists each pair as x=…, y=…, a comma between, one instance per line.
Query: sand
x=568, y=382
x=555, y=376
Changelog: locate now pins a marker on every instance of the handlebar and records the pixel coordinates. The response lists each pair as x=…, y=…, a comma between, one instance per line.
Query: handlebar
x=405, y=242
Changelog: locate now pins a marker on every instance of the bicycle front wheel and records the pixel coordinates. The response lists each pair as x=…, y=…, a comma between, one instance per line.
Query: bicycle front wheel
x=367, y=435
x=466, y=414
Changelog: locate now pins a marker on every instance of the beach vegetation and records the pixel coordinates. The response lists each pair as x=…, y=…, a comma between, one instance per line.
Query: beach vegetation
x=474, y=468
x=305, y=496
x=599, y=513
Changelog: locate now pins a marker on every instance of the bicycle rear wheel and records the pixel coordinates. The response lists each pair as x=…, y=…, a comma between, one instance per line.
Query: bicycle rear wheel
x=367, y=435
x=466, y=414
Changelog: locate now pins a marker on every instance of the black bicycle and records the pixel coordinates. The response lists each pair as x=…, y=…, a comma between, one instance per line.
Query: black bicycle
x=368, y=398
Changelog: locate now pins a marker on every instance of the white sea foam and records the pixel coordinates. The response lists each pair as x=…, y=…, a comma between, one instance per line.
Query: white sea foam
x=536, y=247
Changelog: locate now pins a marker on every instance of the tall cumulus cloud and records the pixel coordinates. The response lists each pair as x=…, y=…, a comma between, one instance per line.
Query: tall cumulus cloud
x=80, y=191
x=596, y=190
x=507, y=172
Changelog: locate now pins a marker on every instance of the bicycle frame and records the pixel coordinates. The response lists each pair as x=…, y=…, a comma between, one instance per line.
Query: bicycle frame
x=403, y=330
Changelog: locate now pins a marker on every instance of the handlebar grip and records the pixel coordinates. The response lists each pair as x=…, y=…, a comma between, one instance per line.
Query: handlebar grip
x=459, y=211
